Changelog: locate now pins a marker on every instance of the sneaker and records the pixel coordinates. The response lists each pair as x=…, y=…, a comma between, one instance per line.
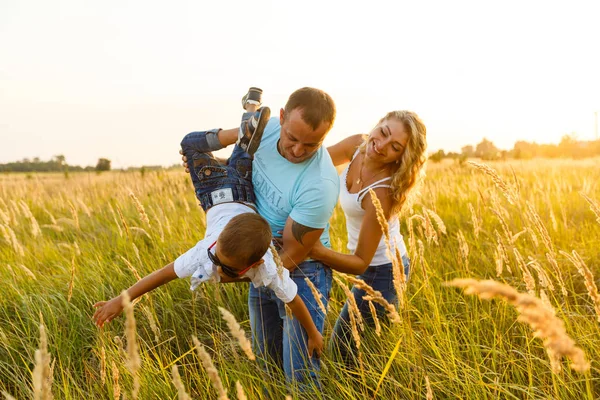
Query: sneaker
x=251, y=130
x=254, y=96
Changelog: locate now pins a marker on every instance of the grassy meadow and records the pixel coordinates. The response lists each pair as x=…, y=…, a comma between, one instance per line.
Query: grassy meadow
x=66, y=243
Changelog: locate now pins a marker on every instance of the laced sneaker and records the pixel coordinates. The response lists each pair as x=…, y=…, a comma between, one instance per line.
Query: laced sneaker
x=254, y=96
x=252, y=128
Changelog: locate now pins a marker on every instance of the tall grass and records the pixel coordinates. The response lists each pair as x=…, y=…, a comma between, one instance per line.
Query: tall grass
x=67, y=243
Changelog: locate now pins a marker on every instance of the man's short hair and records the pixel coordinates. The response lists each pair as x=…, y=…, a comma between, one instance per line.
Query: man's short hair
x=316, y=105
x=245, y=238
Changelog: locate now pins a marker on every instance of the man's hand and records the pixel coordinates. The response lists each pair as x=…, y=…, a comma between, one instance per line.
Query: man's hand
x=107, y=311
x=184, y=159
x=315, y=343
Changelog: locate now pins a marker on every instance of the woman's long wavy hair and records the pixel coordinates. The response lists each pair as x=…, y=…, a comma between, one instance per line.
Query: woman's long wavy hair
x=410, y=172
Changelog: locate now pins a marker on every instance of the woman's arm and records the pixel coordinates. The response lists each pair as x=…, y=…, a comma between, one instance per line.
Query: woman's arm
x=343, y=151
x=368, y=239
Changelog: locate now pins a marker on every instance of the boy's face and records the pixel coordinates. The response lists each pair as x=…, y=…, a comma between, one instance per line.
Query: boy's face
x=231, y=263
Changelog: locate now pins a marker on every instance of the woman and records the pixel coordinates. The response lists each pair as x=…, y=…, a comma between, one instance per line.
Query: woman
x=389, y=161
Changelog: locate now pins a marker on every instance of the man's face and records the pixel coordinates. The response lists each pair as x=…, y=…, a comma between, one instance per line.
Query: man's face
x=298, y=140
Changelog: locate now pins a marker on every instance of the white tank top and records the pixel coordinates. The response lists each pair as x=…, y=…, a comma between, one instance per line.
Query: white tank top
x=351, y=204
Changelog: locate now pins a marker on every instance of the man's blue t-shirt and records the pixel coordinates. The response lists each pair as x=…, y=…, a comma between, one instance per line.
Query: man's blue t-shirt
x=307, y=192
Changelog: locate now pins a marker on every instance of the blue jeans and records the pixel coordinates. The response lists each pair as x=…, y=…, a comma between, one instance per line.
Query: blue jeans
x=282, y=340
x=379, y=277
x=215, y=183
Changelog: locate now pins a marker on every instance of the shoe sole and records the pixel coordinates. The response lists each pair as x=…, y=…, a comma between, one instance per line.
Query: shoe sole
x=263, y=119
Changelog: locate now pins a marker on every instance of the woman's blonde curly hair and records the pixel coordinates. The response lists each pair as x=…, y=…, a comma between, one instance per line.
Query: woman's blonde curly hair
x=410, y=172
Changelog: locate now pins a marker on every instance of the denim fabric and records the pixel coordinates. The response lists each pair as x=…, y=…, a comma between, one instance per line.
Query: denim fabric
x=379, y=277
x=214, y=182
x=282, y=340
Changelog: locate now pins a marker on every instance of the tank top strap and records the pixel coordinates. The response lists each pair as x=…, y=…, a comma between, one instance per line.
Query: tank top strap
x=375, y=185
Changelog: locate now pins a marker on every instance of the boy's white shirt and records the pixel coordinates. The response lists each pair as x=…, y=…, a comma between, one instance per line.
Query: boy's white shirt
x=195, y=261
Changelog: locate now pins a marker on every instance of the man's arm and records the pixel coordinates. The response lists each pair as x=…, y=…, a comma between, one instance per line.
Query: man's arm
x=298, y=240
x=108, y=310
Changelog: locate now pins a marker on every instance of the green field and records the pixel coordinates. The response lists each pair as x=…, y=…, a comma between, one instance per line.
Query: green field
x=84, y=235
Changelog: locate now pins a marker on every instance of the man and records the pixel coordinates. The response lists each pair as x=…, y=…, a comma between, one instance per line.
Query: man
x=296, y=188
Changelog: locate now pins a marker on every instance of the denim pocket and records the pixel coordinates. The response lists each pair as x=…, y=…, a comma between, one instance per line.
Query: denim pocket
x=211, y=174
x=243, y=167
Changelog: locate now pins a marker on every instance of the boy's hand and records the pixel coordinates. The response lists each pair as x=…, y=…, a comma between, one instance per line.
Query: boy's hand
x=184, y=159
x=315, y=343
x=107, y=311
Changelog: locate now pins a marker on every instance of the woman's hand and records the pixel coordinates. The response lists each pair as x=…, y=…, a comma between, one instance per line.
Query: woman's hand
x=317, y=251
x=107, y=311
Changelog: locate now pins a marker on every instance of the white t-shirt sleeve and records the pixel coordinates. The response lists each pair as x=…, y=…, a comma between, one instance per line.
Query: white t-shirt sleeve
x=266, y=275
x=196, y=264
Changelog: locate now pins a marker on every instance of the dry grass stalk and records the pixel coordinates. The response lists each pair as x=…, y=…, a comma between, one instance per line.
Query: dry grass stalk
x=552, y=260
x=237, y=332
x=152, y=323
x=27, y=271
x=430, y=232
x=7, y=396
x=76, y=249
x=5, y=234
x=137, y=253
x=527, y=277
x=49, y=214
x=543, y=278
x=140, y=231
x=376, y=297
x=507, y=232
x=131, y=268
x=133, y=357
x=423, y=262
x=594, y=206
x=115, y=377
x=72, y=280
x=534, y=237
x=5, y=217
x=112, y=211
x=463, y=248
x=399, y=275
x=35, y=227
x=74, y=215
x=544, y=298
x=277, y=260
x=42, y=372
x=438, y=221
x=507, y=191
x=102, y=365
x=140, y=208
x=212, y=372
x=475, y=220
x=161, y=231
x=412, y=244
x=385, y=228
x=84, y=207
x=538, y=315
x=316, y=294
x=429, y=395
x=181, y=393
x=55, y=228
x=502, y=251
x=499, y=261
x=375, y=318
x=240, y=391
x=15, y=242
x=353, y=312
x=123, y=220
x=541, y=228
x=588, y=277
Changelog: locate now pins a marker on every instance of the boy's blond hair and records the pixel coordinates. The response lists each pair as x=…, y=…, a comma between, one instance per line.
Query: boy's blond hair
x=246, y=238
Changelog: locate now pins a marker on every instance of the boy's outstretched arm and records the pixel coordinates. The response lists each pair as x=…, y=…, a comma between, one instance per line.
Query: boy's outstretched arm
x=108, y=310
x=315, y=339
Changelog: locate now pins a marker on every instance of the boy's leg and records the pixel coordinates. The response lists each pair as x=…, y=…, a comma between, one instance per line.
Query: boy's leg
x=297, y=364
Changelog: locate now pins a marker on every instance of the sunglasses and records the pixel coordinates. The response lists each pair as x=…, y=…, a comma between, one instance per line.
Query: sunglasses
x=227, y=270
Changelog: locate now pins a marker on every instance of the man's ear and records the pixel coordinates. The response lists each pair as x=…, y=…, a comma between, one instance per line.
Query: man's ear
x=281, y=116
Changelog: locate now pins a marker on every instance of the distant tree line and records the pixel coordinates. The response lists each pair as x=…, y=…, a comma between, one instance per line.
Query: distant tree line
x=569, y=147
x=55, y=164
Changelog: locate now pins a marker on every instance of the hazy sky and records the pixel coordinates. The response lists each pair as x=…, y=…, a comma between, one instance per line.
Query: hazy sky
x=127, y=79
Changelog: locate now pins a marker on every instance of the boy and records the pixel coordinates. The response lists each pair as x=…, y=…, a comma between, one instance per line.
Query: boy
x=237, y=239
